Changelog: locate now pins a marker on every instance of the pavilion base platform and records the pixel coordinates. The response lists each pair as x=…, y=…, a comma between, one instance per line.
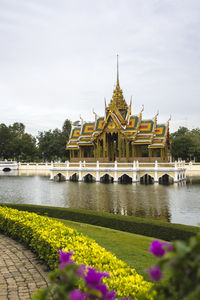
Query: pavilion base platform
x=121, y=172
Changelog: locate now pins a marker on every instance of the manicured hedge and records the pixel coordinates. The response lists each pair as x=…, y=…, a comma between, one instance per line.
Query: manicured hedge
x=143, y=226
x=46, y=236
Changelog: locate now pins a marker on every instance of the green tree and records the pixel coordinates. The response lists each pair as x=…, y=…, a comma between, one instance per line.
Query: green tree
x=182, y=147
x=16, y=144
x=186, y=144
x=5, y=136
x=66, y=129
x=180, y=132
x=17, y=129
x=52, y=143
x=28, y=147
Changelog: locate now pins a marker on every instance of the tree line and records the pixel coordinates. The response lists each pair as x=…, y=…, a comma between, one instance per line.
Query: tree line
x=50, y=145
x=185, y=144
x=16, y=144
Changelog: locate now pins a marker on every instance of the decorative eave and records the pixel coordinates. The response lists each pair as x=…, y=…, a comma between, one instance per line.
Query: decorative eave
x=71, y=147
x=154, y=126
x=163, y=140
x=129, y=111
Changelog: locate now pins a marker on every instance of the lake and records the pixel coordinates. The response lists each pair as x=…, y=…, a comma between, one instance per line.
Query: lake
x=175, y=203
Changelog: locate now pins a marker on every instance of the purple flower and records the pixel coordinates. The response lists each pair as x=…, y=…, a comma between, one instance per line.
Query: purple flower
x=106, y=295
x=81, y=271
x=157, y=248
x=65, y=259
x=155, y=273
x=93, y=278
x=168, y=247
x=77, y=295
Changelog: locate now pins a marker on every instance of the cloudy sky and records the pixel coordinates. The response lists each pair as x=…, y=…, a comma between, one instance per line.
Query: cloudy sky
x=58, y=59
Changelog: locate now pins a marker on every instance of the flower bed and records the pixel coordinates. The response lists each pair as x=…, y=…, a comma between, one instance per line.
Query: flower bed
x=46, y=237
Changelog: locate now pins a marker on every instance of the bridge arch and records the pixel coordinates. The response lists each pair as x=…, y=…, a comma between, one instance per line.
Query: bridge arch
x=146, y=179
x=7, y=169
x=89, y=178
x=74, y=177
x=59, y=177
x=166, y=179
x=106, y=178
x=125, y=179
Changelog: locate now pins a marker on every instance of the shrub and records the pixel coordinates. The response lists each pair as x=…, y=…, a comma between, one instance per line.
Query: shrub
x=46, y=237
x=153, y=228
x=180, y=264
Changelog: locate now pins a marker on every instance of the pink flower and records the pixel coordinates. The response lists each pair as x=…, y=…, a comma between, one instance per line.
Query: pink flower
x=169, y=247
x=65, y=259
x=106, y=295
x=157, y=248
x=155, y=273
x=77, y=295
x=93, y=278
x=81, y=271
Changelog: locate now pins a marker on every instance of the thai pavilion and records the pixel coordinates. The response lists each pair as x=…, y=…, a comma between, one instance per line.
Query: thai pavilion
x=119, y=135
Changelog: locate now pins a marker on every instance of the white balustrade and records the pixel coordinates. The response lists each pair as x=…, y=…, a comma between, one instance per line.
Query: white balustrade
x=175, y=170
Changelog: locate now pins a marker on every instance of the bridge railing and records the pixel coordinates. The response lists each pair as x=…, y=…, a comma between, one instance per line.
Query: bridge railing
x=118, y=165
x=8, y=162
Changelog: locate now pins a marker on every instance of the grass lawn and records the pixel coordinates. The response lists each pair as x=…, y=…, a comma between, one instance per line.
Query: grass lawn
x=129, y=247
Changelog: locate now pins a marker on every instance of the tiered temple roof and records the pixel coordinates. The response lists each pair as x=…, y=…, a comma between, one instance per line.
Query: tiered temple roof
x=118, y=118
x=136, y=130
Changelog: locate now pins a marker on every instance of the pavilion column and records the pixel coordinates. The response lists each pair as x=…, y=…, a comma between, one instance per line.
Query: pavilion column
x=112, y=147
x=139, y=151
x=124, y=146
x=122, y=143
x=98, y=148
x=107, y=144
x=150, y=152
x=161, y=153
x=119, y=146
x=104, y=146
x=70, y=155
x=166, y=154
x=127, y=149
x=133, y=151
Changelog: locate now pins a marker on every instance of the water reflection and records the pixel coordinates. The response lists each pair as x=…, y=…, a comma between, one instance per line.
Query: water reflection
x=177, y=203
x=25, y=173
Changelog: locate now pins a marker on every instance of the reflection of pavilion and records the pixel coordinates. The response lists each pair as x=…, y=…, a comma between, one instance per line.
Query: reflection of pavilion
x=119, y=135
x=132, y=200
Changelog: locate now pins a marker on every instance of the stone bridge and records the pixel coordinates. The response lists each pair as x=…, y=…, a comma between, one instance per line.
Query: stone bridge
x=119, y=172
x=6, y=166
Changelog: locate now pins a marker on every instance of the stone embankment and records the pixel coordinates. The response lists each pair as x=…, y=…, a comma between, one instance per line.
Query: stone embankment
x=192, y=169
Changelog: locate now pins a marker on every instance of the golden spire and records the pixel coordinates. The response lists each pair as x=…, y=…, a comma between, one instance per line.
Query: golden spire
x=117, y=70
x=118, y=104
